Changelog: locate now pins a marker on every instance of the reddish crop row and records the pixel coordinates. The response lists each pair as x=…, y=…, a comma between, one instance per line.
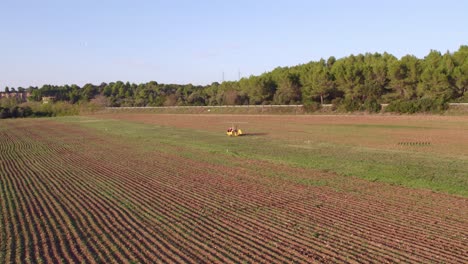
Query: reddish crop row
x=70, y=195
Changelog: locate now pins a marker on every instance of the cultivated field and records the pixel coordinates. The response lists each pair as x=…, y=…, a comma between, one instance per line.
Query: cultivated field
x=173, y=188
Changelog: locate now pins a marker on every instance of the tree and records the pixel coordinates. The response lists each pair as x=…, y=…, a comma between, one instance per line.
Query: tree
x=107, y=91
x=349, y=78
x=171, y=100
x=231, y=97
x=36, y=95
x=4, y=112
x=460, y=72
x=375, y=71
x=211, y=93
x=331, y=60
x=259, y=90
x=229, y=93
x=318, y=82
x=435, y=76
x=196, y=98
x=289, y=89
x=74, y=96
x=89, y=91
x=404, y=77
x=142, y=96
x=100, y=101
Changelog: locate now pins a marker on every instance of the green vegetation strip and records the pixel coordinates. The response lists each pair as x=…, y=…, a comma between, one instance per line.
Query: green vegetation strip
x=417, y=170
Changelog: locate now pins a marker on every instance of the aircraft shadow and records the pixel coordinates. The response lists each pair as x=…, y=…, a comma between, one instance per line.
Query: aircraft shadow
x=254, y=134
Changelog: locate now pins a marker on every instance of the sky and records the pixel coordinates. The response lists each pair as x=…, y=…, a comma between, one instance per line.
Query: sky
x=187, y=41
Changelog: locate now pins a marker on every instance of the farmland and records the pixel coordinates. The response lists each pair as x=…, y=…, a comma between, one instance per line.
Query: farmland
x=173, y=188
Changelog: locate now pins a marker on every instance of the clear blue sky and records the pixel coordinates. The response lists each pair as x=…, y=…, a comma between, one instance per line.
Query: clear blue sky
x=188, y=41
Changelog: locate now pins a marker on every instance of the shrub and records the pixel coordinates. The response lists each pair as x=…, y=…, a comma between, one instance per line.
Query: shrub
x=311, y=106
x=15, y=112
x=27, y=111
x=64, y=109
x=20, y=111
x=4, y=112
x=401, y=106
x=426, y=105
x=441, y=104
x=347, y=104
x=336, y=102
x=371, y=105
x=463, y=99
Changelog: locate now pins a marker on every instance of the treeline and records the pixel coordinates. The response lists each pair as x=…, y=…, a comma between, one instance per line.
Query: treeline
x=356, y=82
x=13, y=109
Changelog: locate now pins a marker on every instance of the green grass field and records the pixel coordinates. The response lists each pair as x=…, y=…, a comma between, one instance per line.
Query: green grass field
x=416, y=169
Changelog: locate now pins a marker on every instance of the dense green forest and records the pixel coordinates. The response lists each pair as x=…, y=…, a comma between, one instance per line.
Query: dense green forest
x=356, y=82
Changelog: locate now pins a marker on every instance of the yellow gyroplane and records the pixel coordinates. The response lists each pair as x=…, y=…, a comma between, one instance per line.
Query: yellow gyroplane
x=233, y=131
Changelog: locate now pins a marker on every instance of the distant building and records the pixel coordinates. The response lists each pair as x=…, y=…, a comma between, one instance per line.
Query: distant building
x=48, y=99
x=22, y=96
